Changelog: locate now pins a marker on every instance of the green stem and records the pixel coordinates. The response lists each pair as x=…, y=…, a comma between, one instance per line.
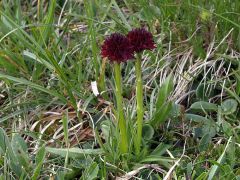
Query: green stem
x=139, y=96
x=120, y=115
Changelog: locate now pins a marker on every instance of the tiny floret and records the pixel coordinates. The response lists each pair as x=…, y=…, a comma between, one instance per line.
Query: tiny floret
x=117, y=48
x=141, y=39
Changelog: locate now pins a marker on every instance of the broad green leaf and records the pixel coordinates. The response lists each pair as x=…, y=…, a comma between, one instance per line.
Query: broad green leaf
x=195, y=118
x=74, y=152
x=229, y=106
x=5, y=145
x=197, y=132
x=161, y=114
x=91, y=172
x=205, y=106
x=18, y=142
x=40, y=155
x=204, y=142
x=160, y=149
x=176, y=111
x=20, y=150
x=227, y=128
x=164, y=91
x=39, y=162
x=147, y=131
x=210, y=128
x=163, y=107
x=6, y=148
x=156, y=158
x=105, y=128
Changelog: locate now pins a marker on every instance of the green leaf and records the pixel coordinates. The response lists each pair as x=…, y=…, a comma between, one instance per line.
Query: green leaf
x=65, y=131
x=147, y=131
x=176, y=111
x=227, y=128
x=156, y=158
x=205, y=106
x=160, y=149
x=91, y=172
x=106, y=129
x=202, y=176
x=18, y=142
x=196, y=118
x=204, y=142
x=203, y=92
x=232, y=93
x=40, y=155
x=39, y=162
x=74, y=152
x=164, y=91
x=65, y=127
x=237, y=83
x=163, y=107
x=6, y=148
x=38, y=59
x=190, y=167
x=229, y=106
x=232, y=154
x=149, y=12
x=227, y=172
x=20, y=150
x=121, y=15
x=210, y=128
x=161, y=114
x=197, y=132
x=49, y=19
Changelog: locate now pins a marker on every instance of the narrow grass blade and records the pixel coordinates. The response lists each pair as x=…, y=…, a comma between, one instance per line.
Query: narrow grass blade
x=74, y=152
x=33, y=85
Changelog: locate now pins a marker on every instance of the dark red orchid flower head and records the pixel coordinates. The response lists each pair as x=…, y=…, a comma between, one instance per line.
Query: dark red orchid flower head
x=117, y=48
x=141, y=39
